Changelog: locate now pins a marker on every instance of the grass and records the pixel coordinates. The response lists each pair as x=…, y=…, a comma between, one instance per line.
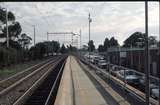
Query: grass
x=7, y=72
x=11, y=70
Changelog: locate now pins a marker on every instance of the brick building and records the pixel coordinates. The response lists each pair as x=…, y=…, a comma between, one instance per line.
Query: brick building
x=135, y=58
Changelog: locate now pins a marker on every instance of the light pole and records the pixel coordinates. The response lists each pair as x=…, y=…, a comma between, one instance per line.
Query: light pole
x=131, y=57
x=34, y=34
x=159, y=53
x=147, y=81
x=47, y=36
x=90, y=20
x=80, y=41
x=139, y=55
x=7, y=38
x=7, y=28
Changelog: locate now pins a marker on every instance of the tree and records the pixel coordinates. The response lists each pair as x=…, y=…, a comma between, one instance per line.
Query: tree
x=24, y=40
x=158, y=44
x=14, y=29
x=152, y=40
x=113, y=42
x=56, y=46
x=101, y=48
x=134, y=39
x=11, y=16
x=63, y=49
x=91, y=46
x=139, y=37
x=106, y=44
x=38, y=51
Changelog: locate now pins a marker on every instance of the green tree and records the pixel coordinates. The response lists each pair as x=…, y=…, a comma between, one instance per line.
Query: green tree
x=101, y=48
x=56, y=46
x=134, y=39
x=91, y=46
x=139, y=37
x=158, y=44
x=14, y=29
x=11, y=16
x=24, y=40
x=106, y=44
x=63, y=49
x=38, y=51
x=152, y=40
x=113, y=42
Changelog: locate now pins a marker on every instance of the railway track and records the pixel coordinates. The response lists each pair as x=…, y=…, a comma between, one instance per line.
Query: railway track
x=9, y=81
x=45, y=94
x=17, y=85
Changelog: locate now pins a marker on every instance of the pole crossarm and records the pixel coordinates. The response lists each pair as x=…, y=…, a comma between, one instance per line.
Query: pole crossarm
x=60, y=33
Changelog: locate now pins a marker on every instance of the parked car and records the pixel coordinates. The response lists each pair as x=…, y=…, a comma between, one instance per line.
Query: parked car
x=129, y=76
x=155, y=93
x=98, y=72
x=114, y=70
x=142, y=84
x=102, y=64
x=96, y=59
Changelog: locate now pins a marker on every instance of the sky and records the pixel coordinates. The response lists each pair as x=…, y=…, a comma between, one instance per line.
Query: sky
x=118, y=19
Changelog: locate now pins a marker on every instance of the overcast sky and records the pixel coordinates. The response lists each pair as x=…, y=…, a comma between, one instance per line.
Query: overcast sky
x=118, y=19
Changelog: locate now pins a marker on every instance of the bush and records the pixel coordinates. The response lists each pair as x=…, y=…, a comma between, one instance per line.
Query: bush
x=9, y=56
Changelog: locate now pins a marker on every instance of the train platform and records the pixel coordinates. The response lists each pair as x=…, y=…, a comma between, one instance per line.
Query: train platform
x=76, y=88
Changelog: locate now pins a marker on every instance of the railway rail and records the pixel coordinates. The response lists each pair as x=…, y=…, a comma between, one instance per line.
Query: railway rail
x=14, y=87
x=46, y=92
x=9, y=81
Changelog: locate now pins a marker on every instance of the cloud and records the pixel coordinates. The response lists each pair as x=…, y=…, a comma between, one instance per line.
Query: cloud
x=118, y=19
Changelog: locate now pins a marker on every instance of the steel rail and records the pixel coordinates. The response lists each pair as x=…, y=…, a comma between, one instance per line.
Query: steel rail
x=12, y=79
x=6, y=93
x=23, y=98
x=48, y=101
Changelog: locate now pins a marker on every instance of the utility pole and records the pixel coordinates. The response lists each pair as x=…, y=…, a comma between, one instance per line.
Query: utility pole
x=72, y=40
x=90, y=20
x=47, y=36
x=7, y=28
x=80, y=41
x=34, y=34
x=131, y=57
x=159, y=52
x=147, y=81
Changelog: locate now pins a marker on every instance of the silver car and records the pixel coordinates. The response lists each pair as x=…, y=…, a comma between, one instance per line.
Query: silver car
x=129, y=76
x=155, y=93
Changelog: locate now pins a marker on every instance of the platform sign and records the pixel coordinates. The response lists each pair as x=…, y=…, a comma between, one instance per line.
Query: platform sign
x=123, y=54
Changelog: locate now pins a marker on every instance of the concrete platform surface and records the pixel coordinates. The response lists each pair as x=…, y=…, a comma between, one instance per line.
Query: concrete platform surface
x=76, y=88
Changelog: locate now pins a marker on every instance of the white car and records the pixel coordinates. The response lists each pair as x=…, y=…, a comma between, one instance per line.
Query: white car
x=102, y=64
x=114, y=70
x=155, y=93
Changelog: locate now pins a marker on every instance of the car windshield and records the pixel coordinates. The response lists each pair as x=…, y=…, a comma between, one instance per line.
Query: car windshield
x=102, y=61
x=130, y=73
